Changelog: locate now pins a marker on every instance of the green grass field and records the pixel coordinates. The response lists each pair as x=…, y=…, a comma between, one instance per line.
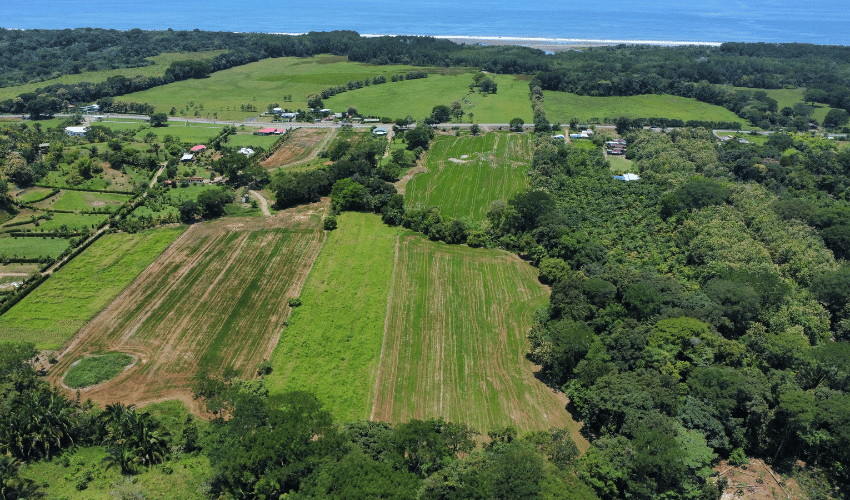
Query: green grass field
x=200, y=133
x=495, y=168
x=54, y=312
x=161, y=61
x=259, y=84
x=333, y=341
x=418, y=97
x=73, y=221
x=456, y=342
x=59, y=482
x=83, y=201
x=32, y=247
x=92, y=370
x=563, y=106
x=33, y=193
x=620, y=165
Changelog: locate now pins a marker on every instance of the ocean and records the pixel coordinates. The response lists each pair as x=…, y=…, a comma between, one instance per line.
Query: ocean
x=659, y=20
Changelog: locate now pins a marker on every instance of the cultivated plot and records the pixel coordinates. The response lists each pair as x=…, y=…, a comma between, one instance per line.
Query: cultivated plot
x=332, y=344
x=216, y=298
x=455, y=341
x=52, y=314
x=465, y=174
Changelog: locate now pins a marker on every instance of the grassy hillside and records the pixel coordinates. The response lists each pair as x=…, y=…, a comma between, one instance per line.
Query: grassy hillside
x=562, y=106
x=332, y=344
x=54, y=312
x=465, y=174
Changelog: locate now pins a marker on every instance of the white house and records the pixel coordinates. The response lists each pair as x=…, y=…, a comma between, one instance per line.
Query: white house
x=76, y=131
x=187, y=157
x=246, y=151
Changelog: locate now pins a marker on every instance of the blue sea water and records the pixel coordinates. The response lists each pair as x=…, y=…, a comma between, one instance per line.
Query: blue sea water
x=660, y=20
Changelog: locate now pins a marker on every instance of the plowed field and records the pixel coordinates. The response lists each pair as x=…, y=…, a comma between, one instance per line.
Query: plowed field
x=217, y=297
x=304, y=144
x=455, y=341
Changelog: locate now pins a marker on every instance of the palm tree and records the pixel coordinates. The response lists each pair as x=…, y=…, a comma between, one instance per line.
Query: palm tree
x=12, y=486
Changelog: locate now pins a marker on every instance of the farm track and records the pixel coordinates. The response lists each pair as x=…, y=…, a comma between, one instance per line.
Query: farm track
x=216, y=298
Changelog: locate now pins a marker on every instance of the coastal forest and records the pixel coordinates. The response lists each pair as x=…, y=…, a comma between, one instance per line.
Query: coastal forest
x=420, y=305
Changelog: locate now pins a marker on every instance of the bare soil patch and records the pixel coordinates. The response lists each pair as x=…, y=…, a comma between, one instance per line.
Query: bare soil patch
x=216, y=298
x=304, y=144
x=757, y=481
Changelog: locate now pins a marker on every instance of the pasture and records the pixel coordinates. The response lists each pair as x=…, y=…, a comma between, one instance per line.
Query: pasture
x=161, y=63
x=92, y=370
x=52, y=313
x=216, y=298
x=465, y=174
x=455, y=341
x=32, y=194
x=333, y=342
x=563, y=106
x=620, y=165
x=86, y=201
x=790, y=97
x=73, y=222
x=418, y=97
x=32, y=247
x=259, y=84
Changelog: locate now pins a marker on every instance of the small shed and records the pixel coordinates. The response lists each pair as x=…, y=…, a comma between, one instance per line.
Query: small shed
x=187, y=157
x=266, y=131
x=380, y=131
x=558, y=136
x=627, y=177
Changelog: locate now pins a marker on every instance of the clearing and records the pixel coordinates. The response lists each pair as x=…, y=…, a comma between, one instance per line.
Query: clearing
x=455, y=344
x=465, y=174
x=216, y=298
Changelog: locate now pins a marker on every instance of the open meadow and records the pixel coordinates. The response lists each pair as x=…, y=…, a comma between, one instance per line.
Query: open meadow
x=216, y=298
x=161, y=63
x=333, y=342
x=790, y=97
x=224, y=93
x=455, y=341
x=31, y=247
x=418, y=97
x=53, y=313
x=463, y=175
x=563, y=106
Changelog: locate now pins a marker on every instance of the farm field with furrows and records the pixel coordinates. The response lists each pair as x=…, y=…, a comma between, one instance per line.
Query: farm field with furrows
x=216, y=298
x=332, y=344
x=261, y=83
x=53, y=313
x=303, y=145
x=465, y=174
x=418, y=97
x=563, y=106
x=455, y=341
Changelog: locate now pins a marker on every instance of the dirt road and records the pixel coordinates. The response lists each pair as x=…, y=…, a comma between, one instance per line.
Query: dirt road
x=264, y=204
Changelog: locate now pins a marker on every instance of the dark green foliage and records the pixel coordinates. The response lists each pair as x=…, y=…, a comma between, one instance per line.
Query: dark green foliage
x=419, y=137
x=329, y=223
x=212, y=201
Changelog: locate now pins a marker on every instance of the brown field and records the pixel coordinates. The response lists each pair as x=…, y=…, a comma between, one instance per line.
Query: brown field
x=216, y=298
x=455, y=341
x=304, y=144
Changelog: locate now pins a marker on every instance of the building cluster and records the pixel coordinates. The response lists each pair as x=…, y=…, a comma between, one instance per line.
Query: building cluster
x=616, y=147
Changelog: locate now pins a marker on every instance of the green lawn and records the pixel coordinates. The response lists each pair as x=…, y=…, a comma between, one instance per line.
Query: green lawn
x=418, y=97
x=54, y=312
x=495, y=167
x=73, y=221
x=620, y=165
x=31, y=194
x=32, y=248
x=162, y=62
x=333, y=341
x=562, y=106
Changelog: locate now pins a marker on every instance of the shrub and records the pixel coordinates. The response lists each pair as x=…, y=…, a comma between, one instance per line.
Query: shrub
x=294, y=302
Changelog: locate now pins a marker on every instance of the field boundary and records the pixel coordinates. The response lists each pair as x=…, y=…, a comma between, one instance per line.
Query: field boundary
x=386, y=328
